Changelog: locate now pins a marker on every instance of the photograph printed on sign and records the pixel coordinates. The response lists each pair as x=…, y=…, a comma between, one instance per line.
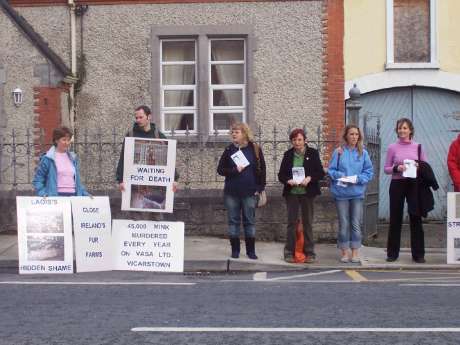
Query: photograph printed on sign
x=148, y=175
x=148, y=197
x=44, y=220
x=147, y=152
x=45, y=248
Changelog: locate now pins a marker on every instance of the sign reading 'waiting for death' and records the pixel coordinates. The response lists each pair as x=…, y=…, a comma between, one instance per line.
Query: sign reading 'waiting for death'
x=148, y=175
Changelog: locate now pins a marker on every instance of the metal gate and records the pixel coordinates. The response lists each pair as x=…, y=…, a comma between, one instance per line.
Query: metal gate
x=435, y=114
x=371, y=199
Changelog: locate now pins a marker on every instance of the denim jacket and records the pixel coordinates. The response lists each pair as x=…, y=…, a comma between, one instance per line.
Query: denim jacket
x=45, y=179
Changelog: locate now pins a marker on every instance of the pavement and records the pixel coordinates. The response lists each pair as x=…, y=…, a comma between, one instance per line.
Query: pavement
x=211, y=254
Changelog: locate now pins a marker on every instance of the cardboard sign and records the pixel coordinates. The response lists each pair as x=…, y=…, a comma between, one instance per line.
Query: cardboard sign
x=453, y=228
x=93, y=233
x=148, y=245
x=44, y=235
x=148, y=174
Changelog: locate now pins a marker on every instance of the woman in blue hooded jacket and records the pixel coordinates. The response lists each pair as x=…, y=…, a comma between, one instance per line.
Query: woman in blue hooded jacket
x=58, y=173
x=350, y=170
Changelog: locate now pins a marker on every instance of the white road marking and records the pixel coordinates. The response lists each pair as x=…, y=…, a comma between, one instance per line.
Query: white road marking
x=296, y=329
x=432, y=284
x=390, y=280
x=284, y=281
x=89, y=283
x=305, y=275
x=260, y=276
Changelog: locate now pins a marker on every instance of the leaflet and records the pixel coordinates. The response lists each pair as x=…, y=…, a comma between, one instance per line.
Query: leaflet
x=298, y=174
x=240, y=159
x=411, y=168
x=349, y=179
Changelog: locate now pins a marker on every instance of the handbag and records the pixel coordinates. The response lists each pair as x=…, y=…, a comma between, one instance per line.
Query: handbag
x=261, y=196
x=261, y=199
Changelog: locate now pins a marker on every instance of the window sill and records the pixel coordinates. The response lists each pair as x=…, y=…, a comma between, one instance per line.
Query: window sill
x=196, y=139
x=412, y=65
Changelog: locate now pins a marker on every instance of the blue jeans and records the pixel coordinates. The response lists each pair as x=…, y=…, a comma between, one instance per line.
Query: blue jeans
x=235, y=207
x=350, y=213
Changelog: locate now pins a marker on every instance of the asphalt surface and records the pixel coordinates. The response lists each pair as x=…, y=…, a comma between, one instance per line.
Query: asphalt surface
x=313, y=307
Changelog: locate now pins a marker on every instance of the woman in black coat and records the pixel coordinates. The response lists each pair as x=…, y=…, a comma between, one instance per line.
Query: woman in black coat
x=300, y=191
x=242, y=185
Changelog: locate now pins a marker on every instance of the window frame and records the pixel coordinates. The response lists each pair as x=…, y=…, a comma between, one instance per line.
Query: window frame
x=390, y=63
x=213, y=87
x=203, y=34
x=163, y=87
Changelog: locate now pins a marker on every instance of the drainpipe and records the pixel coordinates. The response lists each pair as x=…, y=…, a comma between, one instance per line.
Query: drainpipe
x=73, y=61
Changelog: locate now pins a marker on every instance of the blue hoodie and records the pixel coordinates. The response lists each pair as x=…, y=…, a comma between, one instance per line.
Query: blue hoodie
x=350, y=163
x=45, y=179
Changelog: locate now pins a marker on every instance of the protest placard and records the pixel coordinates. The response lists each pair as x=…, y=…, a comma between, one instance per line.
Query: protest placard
x=44, y=235
x=148, y=245
x=453, y=228
x=148, y=175
x=93, y=233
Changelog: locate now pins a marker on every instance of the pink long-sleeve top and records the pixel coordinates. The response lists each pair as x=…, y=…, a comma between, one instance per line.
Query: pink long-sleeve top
x=398, y=152
x=65, y=173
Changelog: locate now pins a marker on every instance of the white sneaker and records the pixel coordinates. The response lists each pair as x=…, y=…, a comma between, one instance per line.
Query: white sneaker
x=356, y=260
x=344, y=259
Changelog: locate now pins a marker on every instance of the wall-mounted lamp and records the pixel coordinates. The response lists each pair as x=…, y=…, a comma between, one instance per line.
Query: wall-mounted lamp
x=17, y=96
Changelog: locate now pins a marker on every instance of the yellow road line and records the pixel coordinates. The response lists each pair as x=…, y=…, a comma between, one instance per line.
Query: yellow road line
x=356, y=276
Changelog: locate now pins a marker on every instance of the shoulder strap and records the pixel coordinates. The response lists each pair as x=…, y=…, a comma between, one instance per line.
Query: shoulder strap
x=338, y=159
x=257, y=151
x=419, y=149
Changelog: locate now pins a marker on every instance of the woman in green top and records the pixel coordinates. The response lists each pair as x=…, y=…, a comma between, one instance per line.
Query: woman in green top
x=300, y=172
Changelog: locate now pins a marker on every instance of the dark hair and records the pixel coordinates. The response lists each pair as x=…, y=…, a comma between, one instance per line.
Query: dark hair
x=146, y=109
x=409, y=124
x=61, y=132
x=295, y=132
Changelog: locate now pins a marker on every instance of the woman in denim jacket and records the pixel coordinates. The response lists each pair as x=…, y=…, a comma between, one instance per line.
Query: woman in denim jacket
x=58, y=173
x=350, y=170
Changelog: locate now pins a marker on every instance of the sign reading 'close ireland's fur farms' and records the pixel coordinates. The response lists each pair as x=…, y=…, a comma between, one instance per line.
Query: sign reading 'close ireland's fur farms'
x=148, y=174
x=92, y=226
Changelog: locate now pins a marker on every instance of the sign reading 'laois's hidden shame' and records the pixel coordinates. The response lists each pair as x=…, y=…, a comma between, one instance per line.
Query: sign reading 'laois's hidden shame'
x=148, y=245
x=92, y=225
x=44, y=235
x=148, y=175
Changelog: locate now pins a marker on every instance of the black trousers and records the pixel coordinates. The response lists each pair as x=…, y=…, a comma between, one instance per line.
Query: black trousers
x=294, y=202
x=399, y=190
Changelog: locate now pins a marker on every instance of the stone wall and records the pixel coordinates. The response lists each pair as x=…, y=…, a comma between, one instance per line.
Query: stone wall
x=204, y=214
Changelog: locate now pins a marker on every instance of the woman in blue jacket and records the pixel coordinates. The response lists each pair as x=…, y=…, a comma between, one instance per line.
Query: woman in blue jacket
x=350, y=170
x=58, y=173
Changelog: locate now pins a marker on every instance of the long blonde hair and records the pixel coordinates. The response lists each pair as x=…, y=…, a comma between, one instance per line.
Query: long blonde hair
x=359, y=144
x=244, y=128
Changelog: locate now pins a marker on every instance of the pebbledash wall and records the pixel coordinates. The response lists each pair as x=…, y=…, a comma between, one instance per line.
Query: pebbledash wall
x=287, y=65
x=297, y=72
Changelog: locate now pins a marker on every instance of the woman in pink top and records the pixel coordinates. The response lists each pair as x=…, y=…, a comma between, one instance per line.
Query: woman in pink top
x=58, y=173
x=401, y=189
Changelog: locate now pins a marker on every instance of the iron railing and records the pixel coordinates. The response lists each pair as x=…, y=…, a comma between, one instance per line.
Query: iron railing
x=99, y=149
